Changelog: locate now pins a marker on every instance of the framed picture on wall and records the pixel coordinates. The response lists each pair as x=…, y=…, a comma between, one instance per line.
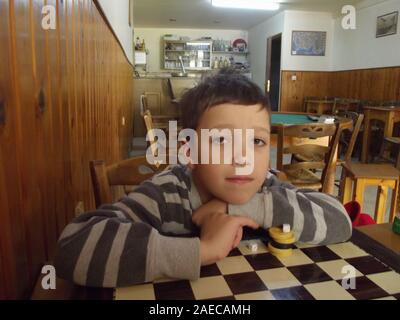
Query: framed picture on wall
x=308, y=43
x=386, y=25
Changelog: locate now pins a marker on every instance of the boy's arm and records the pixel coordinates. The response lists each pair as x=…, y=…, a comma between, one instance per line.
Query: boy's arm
x=126, y=243
x=315, y=217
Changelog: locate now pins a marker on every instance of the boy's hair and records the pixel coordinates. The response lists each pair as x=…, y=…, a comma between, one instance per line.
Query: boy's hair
x=225, y=87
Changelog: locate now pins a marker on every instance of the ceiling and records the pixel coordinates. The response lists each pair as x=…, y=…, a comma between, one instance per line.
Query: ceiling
x=201, y=14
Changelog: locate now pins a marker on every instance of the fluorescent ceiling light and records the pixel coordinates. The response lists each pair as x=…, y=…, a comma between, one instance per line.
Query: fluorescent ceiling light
x=246, y=4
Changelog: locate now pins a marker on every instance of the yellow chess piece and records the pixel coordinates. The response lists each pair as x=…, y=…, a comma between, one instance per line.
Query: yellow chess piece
x=281, y=243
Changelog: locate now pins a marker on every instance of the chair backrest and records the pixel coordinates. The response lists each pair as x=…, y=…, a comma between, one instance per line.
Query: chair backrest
x=358, y=119
x=143, y=104
x=129, y=172
x=309, y=131
x=345, y=104
x=148, y=121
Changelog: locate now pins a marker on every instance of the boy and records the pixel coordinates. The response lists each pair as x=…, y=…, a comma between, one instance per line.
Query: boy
x=193, y=215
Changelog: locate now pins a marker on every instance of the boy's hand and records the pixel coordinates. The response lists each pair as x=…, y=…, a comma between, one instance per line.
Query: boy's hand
x=220, y=233
x=213, y=206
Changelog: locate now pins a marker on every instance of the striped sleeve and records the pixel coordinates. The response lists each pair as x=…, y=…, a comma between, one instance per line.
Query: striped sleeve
x=315, y=217
x=144, y=236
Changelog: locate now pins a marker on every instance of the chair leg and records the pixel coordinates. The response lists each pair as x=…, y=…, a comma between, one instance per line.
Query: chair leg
x=382, y=151
x=386, y=154
x=393, y=206
x=358, y=194
x=380, y=206
x=345, y=187
x=398, y=161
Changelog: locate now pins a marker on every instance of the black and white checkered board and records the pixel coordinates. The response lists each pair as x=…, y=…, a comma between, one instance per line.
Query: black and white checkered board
x=311, y=272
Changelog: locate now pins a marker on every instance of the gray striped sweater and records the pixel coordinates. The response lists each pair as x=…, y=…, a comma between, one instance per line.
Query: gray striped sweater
x=149, y=233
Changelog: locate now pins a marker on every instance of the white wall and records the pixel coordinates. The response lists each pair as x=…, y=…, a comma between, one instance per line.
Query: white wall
x=360, y=49
x=285, y=22
x=117, y=13
x=307, y=21
x=153, y=37
x=258, y=36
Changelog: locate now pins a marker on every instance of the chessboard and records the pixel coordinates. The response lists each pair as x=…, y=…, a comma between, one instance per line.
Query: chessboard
x=310, y=273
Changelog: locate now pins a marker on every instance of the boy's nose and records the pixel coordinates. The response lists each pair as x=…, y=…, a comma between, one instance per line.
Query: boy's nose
x=239, y=160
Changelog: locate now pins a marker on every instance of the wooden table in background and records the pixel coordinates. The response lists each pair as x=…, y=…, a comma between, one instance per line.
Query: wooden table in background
x=320, y=106
x=389, y=115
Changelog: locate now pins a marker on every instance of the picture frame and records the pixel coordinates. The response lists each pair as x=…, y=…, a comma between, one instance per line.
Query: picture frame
x=308, y=43
x=386, y=24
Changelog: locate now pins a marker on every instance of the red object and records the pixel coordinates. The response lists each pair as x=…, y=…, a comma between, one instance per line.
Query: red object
x=357, y=218
x=240, y=43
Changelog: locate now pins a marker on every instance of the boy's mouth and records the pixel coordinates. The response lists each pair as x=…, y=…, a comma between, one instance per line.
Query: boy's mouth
x=239, y=179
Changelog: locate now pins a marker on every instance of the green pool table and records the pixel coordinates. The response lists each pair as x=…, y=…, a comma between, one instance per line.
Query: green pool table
x=288, y=118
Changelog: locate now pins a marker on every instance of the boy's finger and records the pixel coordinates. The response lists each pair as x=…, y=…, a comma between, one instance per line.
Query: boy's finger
x=238, y=237
x=245, y=221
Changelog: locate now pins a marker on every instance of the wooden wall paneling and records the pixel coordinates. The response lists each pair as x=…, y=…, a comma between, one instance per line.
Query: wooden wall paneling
x=366, y=84
x=71, y=70
x=64, y=81
x=88, y=57
x=7, y=138
x=12, y=227
x=81, y=144
x=372, y=84
x=83, y=102
x=289, y=92
x=308, y=83
x=46, y=155
x=81, y=74
x=28, y=144
x=392, y=83
x=55, y=110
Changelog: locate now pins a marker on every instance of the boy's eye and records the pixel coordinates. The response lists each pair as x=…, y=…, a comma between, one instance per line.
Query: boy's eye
x=259, y=142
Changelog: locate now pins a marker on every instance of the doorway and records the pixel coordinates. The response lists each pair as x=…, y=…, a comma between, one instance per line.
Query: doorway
x=273, y=70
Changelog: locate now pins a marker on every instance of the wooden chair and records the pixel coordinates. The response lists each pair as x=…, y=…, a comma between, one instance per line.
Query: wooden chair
x=393, y=142
x=302, y=174
x=153, y=143
x=129, y=172
x=344, y=105
x=159, y=121
x=348, y=145
x=357, y=123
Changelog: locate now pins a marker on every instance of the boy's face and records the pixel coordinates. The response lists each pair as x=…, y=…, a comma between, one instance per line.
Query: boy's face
x=223, y=180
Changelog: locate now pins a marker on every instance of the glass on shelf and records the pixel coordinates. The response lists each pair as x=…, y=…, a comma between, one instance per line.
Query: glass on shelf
x=195, y=54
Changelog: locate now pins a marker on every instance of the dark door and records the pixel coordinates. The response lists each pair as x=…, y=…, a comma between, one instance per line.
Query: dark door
x=273, y=71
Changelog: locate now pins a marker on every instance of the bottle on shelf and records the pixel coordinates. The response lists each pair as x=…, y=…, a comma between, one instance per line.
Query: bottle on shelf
x=226, y=63
x=215, y=63
x=220, y=63
x=137, y=44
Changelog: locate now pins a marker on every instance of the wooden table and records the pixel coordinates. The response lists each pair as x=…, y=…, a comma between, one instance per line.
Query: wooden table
x=389, y=115
x=377, y=240
x=289, y=118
